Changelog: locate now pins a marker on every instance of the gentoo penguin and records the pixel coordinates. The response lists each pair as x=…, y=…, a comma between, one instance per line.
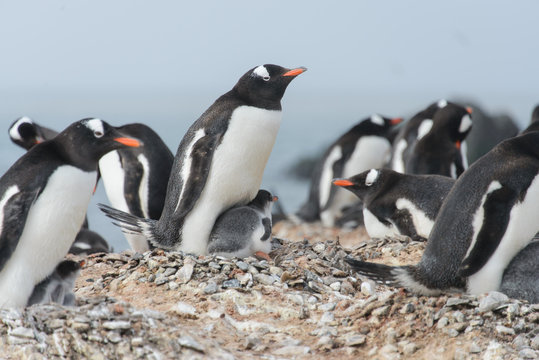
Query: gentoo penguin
x=43, y=201
x=364, y=146
x=486, y=219
x=136, y=179
x=219, y=163
x=88, y=242
x=244, y=230
x=26, y=133
x=398, y=204
x=520, y=279
x=440, y=147
x=58, y=287
x=407, y=135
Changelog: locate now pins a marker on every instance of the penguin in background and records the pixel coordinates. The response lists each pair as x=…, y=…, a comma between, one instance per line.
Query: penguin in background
x=219, y=163
x=58, y=287
x=26, y=133
x=364, y=146
x=398, y=204
x=43, y=201
x=407, y=135
x=243, y=231
x=440, y=146
x=136, y=179
x=486, y=219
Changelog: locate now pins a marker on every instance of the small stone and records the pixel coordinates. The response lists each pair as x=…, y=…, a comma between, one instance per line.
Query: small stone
x=172, y=285
x=442, y=322
x=459, y=316
x=318, y=248
x=535, y=342
x=252, y=341
x=186, y=271
x=214, y=265
x=232, y=283
x=327, y=317
x=452, y=332
x=188, y=342
x=137, y=341
x=325, y=343
x=185, y=309
x=355, y=340
x=327, y=307
x=264, y=279
x=54, y=324
x=521, y=342
x=114, y=337
x=243, y=266
x=381, y=311
x=117, y=325
x=475, y=349
x=500, y=329
x=454, y=301
x=493, y=300
x=22, y=332
x=335, y=285
x=407, y=308
x=244, y=278
x=211, y=288
x=367, y=288
x=409, y=348
x=528, y=354
x=276, y=270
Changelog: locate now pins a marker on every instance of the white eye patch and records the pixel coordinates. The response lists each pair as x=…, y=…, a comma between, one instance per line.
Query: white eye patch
x=465, y=123
x=371, y=177
x=377, y=119
x=442, y=103
x=14, y=130
x=95, y=125
x=261, y=72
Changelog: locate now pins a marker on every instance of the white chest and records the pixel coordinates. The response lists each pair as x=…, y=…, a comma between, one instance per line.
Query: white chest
x=112, y=174
x=371, y=152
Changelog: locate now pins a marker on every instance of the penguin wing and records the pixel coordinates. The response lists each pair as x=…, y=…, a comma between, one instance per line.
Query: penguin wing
x=15, y=212
x=200, y=162
x=497, y=209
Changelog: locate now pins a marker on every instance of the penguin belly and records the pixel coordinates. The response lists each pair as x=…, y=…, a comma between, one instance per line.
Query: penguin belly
x=377, y=229
x=235, y=173
x=113, y=176
x=521, y=229
x=422, y=224
x=51, y=226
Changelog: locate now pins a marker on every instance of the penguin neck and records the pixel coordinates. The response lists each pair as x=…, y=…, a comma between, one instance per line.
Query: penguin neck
x=255, y=101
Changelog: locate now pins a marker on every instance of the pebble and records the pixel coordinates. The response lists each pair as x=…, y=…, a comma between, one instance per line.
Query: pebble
x=500, y=329
x=211, y=288
x=528, y=354
x=264, y=279
x=493, y=300
x=355, y=340
x=117, y=325
x=188, y=342
x=367, y=288
x=185, y=309
x=186, y=271
x=243, y=266
x=232, y=283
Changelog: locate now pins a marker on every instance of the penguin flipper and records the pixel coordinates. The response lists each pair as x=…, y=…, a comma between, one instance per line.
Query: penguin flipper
x=201, y=159
x=131, y=224
x=15, y=213
x=497, y=209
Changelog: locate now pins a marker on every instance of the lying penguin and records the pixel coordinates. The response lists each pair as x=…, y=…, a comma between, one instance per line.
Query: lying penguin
x=398, y=204
x=364, y=146
x=58, y=287
x=486, y=219
x=244, y=230
x=520, y=278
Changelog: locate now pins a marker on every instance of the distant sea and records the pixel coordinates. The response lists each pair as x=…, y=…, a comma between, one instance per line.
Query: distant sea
x=310, y=123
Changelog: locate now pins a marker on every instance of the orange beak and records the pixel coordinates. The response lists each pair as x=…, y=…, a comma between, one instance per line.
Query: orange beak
x=469, y=109
x=457, y=144
x=295, y=72
x=275, y=198
x=396, y=121
x=128, y=141
x=342, y=182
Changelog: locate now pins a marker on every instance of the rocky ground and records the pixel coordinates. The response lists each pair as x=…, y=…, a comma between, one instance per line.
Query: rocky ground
x=305, y=303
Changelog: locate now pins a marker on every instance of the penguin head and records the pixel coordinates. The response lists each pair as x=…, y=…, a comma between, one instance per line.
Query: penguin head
x=363, y=185
x=67, y=268
x=376, y=125
x=456, y=120
x=264, y=85
x=86, y=141
x=263, y=201
x=25, y=133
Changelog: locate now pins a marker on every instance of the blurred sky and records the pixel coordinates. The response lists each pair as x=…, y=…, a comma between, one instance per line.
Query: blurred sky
x=164, y=62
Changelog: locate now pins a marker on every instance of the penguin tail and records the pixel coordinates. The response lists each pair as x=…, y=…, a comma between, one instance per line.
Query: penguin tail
x=396, y=276
x=128, y=223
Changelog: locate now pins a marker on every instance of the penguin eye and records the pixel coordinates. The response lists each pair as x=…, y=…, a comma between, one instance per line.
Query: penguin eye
x=98, y=134
x=265, y=78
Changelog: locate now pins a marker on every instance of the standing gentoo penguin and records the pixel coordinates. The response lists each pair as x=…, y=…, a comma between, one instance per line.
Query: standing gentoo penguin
x=398, y=204
x=219, y=163
x=26, y=133
x=440, y=147
x=244, y=230
x=364, y=146
x=136, y=179
x=43, y=201
x=58, y=287
x=486, y=219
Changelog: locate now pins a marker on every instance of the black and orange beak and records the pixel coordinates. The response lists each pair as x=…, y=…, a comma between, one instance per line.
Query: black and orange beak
x=469, y=109
x=275, y=198
x=295, y=72
x=128, y=141
x=396, y=121
x=342, y=182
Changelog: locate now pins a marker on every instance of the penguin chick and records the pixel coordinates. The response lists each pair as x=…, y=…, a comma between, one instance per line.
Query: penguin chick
x=26, y=133
x=520, y=279
x=398, y=204
x=43, y=201
x=244, y=230
x=364, y=146
x=219, y=163
x=485, y=220
x=58, y=287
